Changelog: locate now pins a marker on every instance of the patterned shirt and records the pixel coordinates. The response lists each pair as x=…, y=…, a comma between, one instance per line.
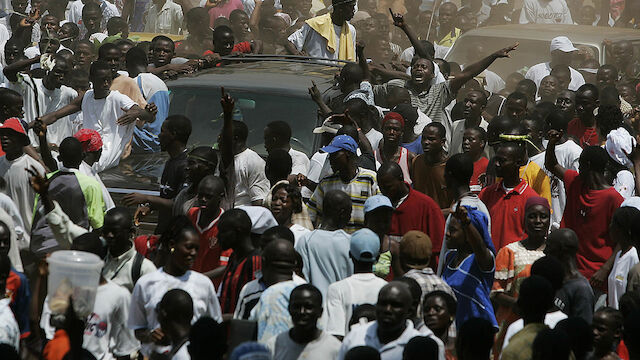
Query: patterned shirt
x=9, y=331
x=360, y=188
x=272, y=310
x=238, y=273
x=431, y=101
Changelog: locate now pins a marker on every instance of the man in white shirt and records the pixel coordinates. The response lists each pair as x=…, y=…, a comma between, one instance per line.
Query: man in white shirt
x=474, y=103
x=561, y=49
x=43, y=96
x=323, y=35
x=360, y=288
x=112, y=114
x=13, y=138
x=164, y=17
x=545, y=12
x=252, y=185
x=392, y=330
x=305, y=340
x=123, y=264
x=92, y=20
x=568, y=155
x=277, y=135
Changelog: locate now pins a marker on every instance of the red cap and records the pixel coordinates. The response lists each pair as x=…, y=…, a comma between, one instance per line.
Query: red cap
x=15, y=125
x=393, y=116
x=89, y=139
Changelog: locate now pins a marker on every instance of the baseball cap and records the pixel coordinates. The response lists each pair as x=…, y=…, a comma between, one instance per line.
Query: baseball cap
x=14, y=124
x=261, y=218
x=375, y=202
x=563, y=44
x=328, y=126
x=415, y=249
x=365, y=245
x=341, y=142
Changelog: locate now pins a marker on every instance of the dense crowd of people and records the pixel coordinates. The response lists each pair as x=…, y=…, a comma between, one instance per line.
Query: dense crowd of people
x=448, y=213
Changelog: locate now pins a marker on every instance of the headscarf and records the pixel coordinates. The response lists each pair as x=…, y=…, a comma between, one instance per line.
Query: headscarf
x=89, y=139
x=537, y=200
x=480, y=221
x=619, y=144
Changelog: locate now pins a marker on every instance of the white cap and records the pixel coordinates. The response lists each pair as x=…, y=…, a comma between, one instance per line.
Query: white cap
x=563, y=44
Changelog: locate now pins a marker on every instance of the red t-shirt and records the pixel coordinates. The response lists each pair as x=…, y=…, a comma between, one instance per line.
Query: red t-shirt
x=588, y=213
x=241, y=47
x=419, y=212
x=587, y=136
x=210, y=256
x=507, y=211
x=479, y=168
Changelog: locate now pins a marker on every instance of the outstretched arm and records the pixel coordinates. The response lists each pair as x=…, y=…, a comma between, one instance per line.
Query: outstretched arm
x=73, y=107
x=11, y=71
x=398, y=20
x=41, y=130
x=476, y=68
x=362, y=61
x=550, y=159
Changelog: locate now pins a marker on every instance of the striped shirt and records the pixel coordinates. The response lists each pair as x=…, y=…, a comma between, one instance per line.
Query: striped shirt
x=238, y=273
x=360, y=188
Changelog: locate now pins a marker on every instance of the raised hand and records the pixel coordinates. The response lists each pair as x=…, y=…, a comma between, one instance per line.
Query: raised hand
x=504, y=53
x=39, y=183
x=554, y=136
x=315, y=92
x=40, y=128
x=227, y=102
x=462, y=215
x=398, y=19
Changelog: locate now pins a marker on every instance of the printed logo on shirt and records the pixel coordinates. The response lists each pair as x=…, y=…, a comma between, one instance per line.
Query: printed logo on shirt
x=95, y=326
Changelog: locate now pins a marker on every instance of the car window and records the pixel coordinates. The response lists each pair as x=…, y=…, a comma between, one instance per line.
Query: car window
x=202, y=106
x=529, y=53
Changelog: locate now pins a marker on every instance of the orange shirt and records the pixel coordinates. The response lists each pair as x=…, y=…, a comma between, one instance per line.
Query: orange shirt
x=57, y=347
x=507, y=211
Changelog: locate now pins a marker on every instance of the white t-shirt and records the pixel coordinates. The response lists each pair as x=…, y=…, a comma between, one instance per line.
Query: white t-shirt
x=343, y=296
x=106, y=334
x=315, y=45
x=106, y=197
x=48, y=102
x=299, y=162
x=9, y=331
x=101, y=115
x=545, y=12
x=18, y=187
x=537, y=72
x=625, y=184
x=551, y=319
x=150, y=289
x=251, y=181
x=374, y=136
x=617, y=281
x=23, y=235
x=298, y=232
x=284, y=348
x=568, y=155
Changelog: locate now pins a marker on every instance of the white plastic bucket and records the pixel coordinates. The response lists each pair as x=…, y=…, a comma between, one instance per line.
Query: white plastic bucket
x=75, y=274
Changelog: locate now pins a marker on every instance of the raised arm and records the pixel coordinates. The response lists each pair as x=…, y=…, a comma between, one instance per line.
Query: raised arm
x=476, y=68
x=398, y=20
x=550, y=159
x=73, y=107
x=362, y=61
x=41, y=130
x=482, y=253
x=11, y=71
x=226, y=150
x=316, y=96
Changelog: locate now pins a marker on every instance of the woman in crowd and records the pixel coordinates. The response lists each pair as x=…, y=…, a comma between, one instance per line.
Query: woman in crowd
x=513, y=262
x=470, y=264
x=287, y=208
x=439, y=312
x=182, y=242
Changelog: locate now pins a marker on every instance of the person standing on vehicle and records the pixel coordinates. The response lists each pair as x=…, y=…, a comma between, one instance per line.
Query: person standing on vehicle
x=328, y=36
x=164, y=17
x=561, y=49
x=545, y=12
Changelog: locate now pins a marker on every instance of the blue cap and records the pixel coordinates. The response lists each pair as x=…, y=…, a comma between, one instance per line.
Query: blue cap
x=341, y=142
x=375, y=202
x=365, y=245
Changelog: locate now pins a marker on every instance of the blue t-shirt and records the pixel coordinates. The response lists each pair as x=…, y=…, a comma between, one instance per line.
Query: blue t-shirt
x=472, y=287
x=414, y=146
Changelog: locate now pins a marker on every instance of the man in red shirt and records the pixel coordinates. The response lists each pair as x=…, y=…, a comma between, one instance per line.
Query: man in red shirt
x=583, y=127
x=224, y=44
x=591, y=202
x=210, y=260
x=413, y=209
x=234, y=232
x=506, y=198
x=474, y=142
